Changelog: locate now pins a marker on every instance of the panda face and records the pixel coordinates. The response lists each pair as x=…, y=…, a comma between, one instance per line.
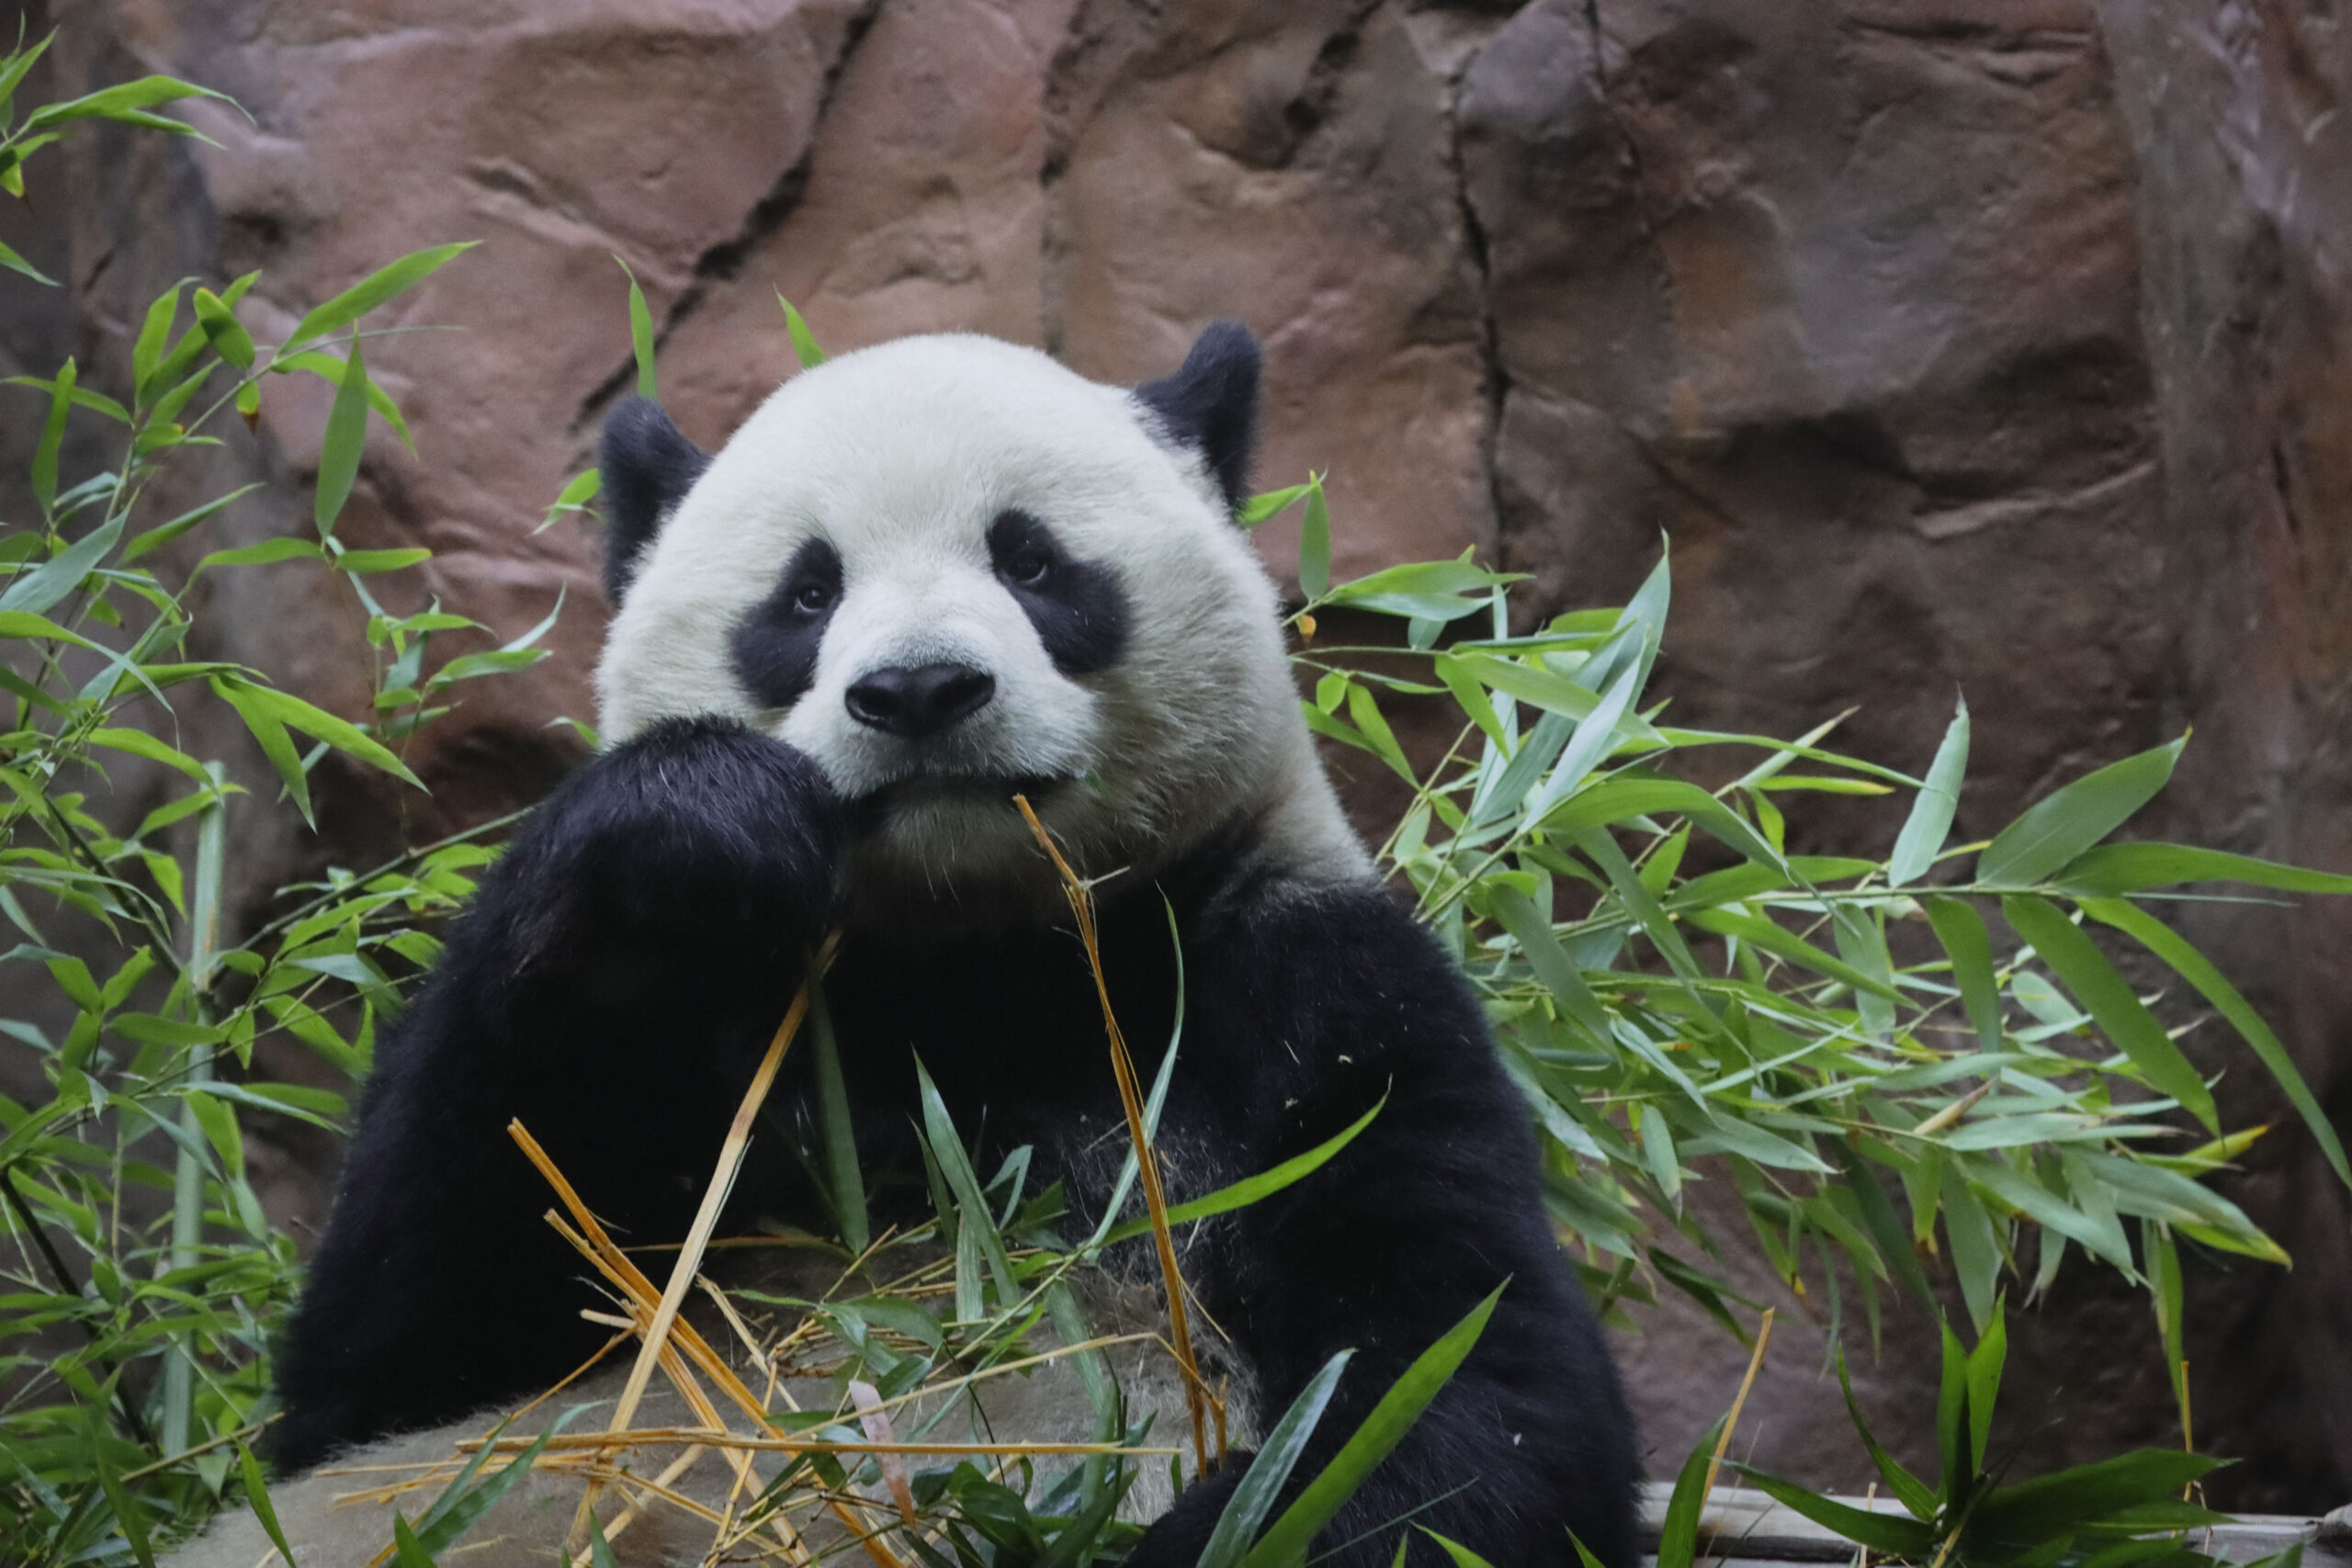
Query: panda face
x=950, y=569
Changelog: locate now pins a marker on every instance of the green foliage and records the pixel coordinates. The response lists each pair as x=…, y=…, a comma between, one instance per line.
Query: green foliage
x=1682, y=999
x=2129, y=1509
x=146, y=1276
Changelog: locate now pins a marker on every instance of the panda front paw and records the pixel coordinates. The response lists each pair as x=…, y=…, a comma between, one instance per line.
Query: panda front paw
x=1178, y=1536
x=698, y=823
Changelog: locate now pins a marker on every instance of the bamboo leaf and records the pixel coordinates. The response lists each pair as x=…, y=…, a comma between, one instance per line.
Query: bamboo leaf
x=334, y=315
x=2198, y=971
x=43, y=586
x=640, y=336
x=1290, y=1535
x=804, y=342
x=1315, y=544
x=223, y=331
x=126, y=101
x=52, y=435
x=1253, y=1499
x=2113, y=869
x=163, y=533
x=1880, y=1532
x=1931, y=820
x=347, y=434
x=2084, y=972
x=1249, y=1191
x=2053, y=831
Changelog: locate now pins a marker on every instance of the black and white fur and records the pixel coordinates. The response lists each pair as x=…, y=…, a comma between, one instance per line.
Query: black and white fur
x=919, y=577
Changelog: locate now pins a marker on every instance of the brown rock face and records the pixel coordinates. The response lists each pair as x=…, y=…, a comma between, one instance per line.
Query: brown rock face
x=1992, y=346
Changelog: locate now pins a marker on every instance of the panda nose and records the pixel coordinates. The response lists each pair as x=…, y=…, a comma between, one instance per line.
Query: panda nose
x=918, y=700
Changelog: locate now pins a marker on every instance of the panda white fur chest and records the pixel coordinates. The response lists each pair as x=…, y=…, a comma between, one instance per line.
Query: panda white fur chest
x=921, y=578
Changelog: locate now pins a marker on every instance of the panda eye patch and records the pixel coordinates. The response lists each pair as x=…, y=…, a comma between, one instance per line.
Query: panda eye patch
x=774, y=645
x=1075, y=607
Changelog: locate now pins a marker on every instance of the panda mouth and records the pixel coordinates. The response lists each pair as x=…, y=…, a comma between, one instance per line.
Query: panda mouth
x=917, y=790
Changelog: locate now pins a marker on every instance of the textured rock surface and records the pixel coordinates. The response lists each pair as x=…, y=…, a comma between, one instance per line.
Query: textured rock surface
x=1988, y=344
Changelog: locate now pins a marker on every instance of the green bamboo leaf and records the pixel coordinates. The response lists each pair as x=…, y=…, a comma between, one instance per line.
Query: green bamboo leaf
x=1621, y=799
x=1249, y=1189
x=147, y=352
x=804, y=342
x=163, y=534
x=43, y=586
x=2045, y=1208
x=139, y=743
x=1594, y=738
x=1908, y=1489
x=268, y=552
x=347, y=434
x=1962, y=932
x=320, y=725
x=129, y=1513
x=576, y=494
x=331, y=370
x=270, y=735
x=640, y=335
x=375, y=289
x=2034, y=1511
x=1984, y=1374
x=17, y=63
x=1465, y=1558
x=126, y=102
x=1975, y=1250
x=846, y=1180
x=1678, y=1536
x=2194, y=967
x=1762, y=933
x=1881, y=1532
x=975, y=1222
x=1924, y=830
x=2054, y=830
x=1657, y=1151
x=52, y=435
x=2113, y=869
x=1266, y=507
x=257, y=1495
x=361, y=563
x=1887, y=1231
x=1541, y=947
x=407, y=1551
x=2085, y=972
x=226, y=333
x=1314, y=543
x=1253, y=1499
x=83, y=398
x=1290, y=1535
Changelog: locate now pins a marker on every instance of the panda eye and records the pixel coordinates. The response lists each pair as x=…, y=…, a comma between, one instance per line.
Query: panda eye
x=1028, y=567
x=813, y=596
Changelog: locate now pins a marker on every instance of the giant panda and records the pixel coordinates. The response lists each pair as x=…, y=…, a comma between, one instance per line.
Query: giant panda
x=921, y=578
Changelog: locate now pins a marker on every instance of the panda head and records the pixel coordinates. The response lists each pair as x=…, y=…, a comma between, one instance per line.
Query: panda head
x=950, y=569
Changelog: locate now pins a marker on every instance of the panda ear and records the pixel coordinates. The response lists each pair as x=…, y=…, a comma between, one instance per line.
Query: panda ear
x=1211, y=404
x=648, y=466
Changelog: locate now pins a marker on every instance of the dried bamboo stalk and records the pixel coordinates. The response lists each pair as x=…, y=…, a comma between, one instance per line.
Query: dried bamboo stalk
x=1197, y=1396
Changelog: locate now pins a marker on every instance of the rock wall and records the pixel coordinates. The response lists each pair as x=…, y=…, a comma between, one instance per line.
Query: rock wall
x=1981, y=345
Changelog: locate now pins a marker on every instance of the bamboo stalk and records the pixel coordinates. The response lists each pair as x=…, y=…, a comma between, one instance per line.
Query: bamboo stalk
x=1731, y=1422
x=1197, y=1397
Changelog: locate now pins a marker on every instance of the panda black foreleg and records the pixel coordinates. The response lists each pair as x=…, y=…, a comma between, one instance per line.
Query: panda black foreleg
x=611, y=987
x=1308, y=1012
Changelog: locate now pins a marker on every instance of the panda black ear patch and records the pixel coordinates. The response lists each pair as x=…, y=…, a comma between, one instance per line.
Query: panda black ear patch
x=1211, y=404
x=648, y=468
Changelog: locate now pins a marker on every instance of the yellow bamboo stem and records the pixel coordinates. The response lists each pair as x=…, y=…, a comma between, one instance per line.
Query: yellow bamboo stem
x=1197, y=1397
